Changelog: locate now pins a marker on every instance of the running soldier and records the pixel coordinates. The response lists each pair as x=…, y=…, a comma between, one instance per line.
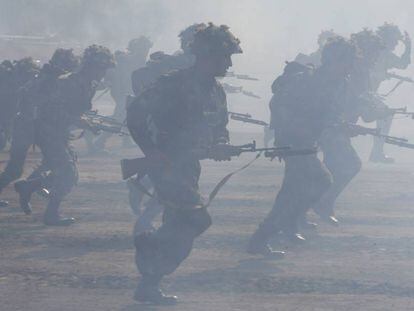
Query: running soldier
x=302, y=108
x=184, y=111
x=118, y=81
x=16, y=75
x=391, y=35
x=55, y=115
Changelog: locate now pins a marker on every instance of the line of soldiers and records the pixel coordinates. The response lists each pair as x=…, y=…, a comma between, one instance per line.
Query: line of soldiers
x=49, y=105
x=179, y=116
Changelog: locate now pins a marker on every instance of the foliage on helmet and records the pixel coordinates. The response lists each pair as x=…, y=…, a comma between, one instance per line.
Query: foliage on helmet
x=339, y=49
x=325, y=35
x=214, y=39
x=64, y=59
x=389, y=31
x=368, y=43
x=140, y=43
x=187, y=35
x=98, y=56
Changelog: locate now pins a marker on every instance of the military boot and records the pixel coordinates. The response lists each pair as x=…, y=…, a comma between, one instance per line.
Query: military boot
x=258, y=246
x=380, y=157
x=306, y=225
x=25, y=189
x=52, y=217
x=148, y=291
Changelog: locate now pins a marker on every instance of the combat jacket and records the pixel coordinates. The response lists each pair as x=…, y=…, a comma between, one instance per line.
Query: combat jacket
x=183, y=113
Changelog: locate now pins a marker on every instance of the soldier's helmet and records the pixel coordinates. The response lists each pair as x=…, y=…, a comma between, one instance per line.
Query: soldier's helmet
x=389, y=32
x=139, y=44
x=187, y=35
x=368, y=43
x=325, y=35
x=25, y=69
x=339, y=50
x=65, y=60
x=215, y=40
x=97, y=56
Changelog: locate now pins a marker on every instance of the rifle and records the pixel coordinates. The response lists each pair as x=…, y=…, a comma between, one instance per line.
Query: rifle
x=238, y=89
x=392, y=75
x=401, y=80
x=99, y=123
x=144, y=165
x=392, y=140
x=403, y=111
x=246, y=118
x=240, y=77
x=289, y=153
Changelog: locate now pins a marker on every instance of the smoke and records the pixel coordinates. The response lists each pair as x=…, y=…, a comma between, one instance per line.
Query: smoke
x=271, y=31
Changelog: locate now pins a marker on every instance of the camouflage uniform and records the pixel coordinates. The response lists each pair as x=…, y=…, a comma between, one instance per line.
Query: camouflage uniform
x=55, y=115
x=118, y=80
x=8, y=105
x=391, y=35
x=186, y=110
x=304, y=105
x=159, y=64
x=21, y=72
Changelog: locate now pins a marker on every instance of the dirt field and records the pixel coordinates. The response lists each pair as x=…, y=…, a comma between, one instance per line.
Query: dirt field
x=365, y=264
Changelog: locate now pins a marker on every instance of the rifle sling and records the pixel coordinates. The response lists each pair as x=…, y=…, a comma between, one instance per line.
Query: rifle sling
x=215, y=190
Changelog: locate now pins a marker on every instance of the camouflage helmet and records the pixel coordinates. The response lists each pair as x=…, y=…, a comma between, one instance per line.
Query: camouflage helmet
x=25, y=69
x=325, y=35
x=64, y=59
x=337, y=50
x=139, y=44
x=389, y=32
x=187, y=35
x=368, y=43
x=214, y=39
x=99, y=56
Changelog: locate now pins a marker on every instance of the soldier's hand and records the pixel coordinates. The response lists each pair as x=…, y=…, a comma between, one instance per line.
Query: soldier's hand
x=220, y=152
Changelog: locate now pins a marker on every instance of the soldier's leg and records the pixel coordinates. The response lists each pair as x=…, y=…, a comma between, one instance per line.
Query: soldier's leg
x=135, y=195
x=282, y=217
x=343, y=162
x=152, y=209
x=377, y=152
x=160, y=252
x=61, y=160
x=22, y=139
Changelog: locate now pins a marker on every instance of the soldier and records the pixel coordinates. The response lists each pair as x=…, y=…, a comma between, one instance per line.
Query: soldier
x=17, y=74
x=391, y=36
x=118, y=80
x=158, y=65
x=302, y=107
x=339, y=155
x=314, y=58
x=184, y=110
x=57, y=113
x=8, y=107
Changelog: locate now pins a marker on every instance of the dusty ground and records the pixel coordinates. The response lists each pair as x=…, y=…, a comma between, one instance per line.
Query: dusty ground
x=365, y=264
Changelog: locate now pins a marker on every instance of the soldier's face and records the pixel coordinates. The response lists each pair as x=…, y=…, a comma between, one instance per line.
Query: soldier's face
x=220, y=64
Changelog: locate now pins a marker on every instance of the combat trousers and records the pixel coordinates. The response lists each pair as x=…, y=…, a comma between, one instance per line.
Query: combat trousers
x=343, y=163
x=60, y=159
x=306, y=179
x=160, y=252
x=22, y=140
